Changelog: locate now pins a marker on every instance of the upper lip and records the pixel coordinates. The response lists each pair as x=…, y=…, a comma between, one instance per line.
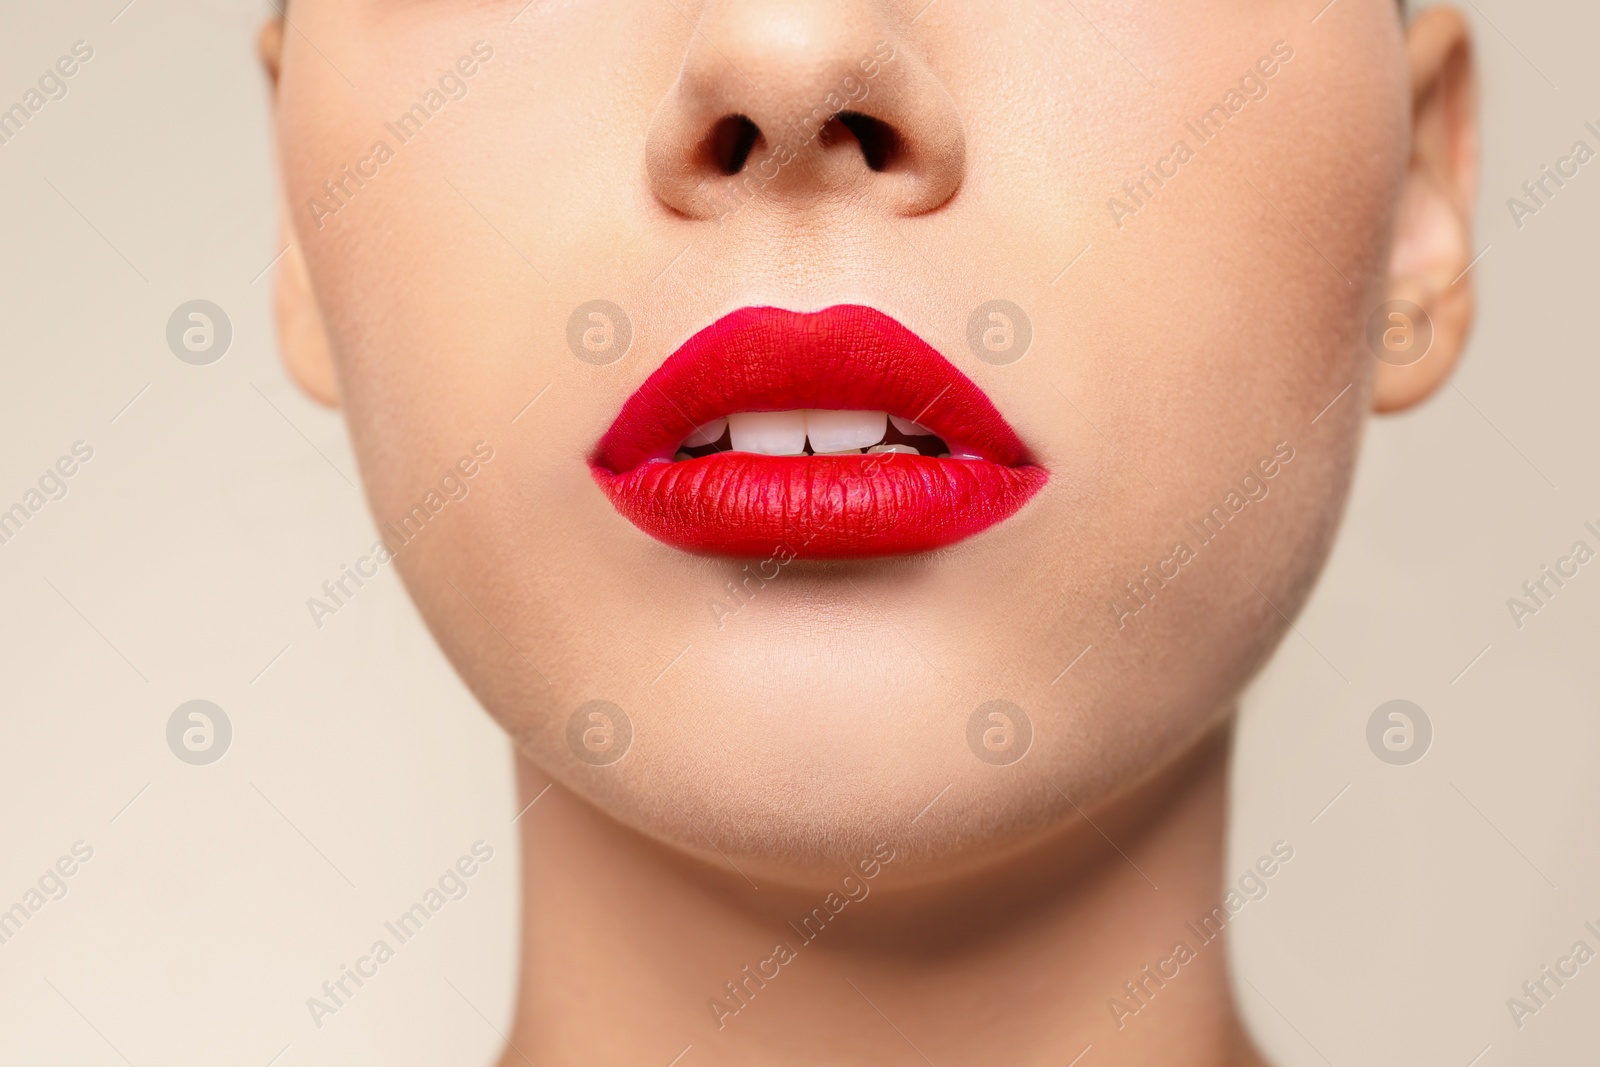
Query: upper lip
x=846, y=357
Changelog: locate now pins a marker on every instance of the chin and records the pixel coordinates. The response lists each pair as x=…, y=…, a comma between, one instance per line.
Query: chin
x=785, y=760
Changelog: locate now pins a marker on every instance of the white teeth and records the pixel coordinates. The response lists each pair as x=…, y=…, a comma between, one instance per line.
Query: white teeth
x=836, y=431
x=709, y=434
x=769, y=433
x=909, y=428
x=786, y=433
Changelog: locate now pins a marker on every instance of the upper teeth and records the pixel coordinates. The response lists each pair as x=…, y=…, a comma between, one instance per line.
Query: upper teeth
x=909, y=428
x=709, y=434
x=835, y=431
x=785, y=433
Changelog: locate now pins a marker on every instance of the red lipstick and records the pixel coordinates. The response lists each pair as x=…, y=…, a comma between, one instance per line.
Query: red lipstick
x=845, y=358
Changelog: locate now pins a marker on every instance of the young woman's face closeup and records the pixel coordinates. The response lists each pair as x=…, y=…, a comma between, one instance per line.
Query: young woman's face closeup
x=665, y=273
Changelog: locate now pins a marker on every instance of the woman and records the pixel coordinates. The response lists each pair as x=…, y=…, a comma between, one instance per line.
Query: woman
x=859, y=450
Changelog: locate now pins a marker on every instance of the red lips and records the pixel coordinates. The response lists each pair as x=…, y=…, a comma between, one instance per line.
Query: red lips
x=847, y=358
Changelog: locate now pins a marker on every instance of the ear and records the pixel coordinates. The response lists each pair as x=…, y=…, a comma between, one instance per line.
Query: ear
x=302, y=335
x=1433, y=231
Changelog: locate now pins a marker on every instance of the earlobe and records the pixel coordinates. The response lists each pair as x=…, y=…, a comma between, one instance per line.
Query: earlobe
x=1430, y=294
x=269, y=47
x=302, y=334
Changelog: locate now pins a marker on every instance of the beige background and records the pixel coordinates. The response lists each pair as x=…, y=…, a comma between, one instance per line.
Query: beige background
x=218, y=898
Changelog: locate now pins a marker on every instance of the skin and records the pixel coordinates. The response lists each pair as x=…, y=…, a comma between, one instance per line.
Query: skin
x=827, y=716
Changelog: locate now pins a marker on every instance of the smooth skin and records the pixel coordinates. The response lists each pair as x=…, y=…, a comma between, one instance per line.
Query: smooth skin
x=777, y=745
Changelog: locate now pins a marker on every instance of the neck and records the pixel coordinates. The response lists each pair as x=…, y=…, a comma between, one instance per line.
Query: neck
x=632, y=953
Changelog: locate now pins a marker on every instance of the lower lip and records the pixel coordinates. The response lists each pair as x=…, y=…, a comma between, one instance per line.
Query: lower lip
x=818, y=507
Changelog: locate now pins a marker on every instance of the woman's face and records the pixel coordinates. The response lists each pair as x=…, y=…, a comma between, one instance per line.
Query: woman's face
x=1186, y=210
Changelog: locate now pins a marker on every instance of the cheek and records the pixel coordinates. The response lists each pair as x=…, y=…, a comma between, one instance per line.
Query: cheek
x=1222, y=317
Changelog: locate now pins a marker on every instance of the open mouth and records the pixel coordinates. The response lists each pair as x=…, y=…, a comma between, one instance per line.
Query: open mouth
x=836, y=434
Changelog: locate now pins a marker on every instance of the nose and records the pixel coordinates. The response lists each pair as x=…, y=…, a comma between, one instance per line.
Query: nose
x=801, y=102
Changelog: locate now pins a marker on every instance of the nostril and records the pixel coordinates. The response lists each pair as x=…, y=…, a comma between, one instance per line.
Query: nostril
x=880, y=145
x=730, y=143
